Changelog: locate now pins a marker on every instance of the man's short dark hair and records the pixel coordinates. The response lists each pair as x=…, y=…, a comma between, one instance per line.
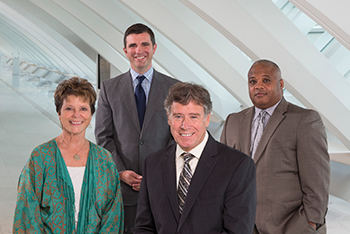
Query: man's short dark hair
x=138, y=29
x=184, y=93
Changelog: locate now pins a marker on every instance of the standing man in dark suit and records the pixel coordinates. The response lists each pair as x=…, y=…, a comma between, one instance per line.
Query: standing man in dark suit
x=289, y=147
x=130, y=120
x=198, y=185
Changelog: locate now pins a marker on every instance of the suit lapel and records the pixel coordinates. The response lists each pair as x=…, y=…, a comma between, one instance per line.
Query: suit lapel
x=246, y=131
x=153, y=98
x=272, y=125
x=205, y=165
x=127, y=92
x=169, y=175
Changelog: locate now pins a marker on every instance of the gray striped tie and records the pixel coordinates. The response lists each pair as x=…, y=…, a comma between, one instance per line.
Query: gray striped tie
x=184, y=181
x=259, y=131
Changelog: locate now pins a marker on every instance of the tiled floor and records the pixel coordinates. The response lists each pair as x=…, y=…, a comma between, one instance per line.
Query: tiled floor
x=28, y=118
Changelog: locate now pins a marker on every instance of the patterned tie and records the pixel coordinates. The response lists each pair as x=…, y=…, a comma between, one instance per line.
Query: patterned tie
x=184, y=181
x=259, y=131
x=140, y=97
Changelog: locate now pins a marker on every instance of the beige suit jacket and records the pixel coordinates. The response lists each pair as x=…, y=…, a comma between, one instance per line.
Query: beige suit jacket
x=292, y=167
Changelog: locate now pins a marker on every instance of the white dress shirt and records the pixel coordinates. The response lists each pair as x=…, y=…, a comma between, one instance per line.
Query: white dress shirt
x=196, y=152
x=146, y=84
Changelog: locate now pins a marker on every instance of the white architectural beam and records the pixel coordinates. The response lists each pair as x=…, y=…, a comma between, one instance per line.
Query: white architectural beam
x=57, y=47
x=192, y=44
x=69, y=16
x=168, y=56
x=333, y=16
x=261, y=30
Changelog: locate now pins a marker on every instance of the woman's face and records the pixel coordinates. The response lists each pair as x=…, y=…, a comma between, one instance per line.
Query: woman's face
x=75, y=115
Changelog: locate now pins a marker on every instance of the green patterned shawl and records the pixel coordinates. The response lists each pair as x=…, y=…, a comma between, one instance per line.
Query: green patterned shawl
x=45, y=202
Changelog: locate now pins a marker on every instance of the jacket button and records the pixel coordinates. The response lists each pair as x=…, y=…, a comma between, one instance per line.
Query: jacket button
x=141, y=142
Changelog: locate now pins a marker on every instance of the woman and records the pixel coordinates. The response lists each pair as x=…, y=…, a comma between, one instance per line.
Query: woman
x=70, y=184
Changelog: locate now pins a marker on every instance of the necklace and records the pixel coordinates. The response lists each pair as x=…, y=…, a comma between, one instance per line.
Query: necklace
x=76, y=156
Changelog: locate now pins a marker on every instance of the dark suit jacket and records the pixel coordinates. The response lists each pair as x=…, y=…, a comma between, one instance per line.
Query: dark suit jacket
x=292, y=166
x=118, y=129
x=221, y=197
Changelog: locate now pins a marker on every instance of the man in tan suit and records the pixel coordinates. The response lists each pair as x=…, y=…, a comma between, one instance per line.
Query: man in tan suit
x=289, y=147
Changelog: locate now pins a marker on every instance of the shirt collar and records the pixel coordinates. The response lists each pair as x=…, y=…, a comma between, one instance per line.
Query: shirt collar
x=148, y=74
x=196, y=151
x=269, y=110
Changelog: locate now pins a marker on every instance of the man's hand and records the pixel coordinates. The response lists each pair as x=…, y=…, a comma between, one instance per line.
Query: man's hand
x=131, y=178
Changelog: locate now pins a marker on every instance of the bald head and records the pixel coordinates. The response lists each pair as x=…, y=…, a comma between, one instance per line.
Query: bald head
x=268, y=63
x=265, y=84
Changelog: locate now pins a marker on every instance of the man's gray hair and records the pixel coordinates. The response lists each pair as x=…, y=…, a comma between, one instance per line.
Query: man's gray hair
x=184, y=93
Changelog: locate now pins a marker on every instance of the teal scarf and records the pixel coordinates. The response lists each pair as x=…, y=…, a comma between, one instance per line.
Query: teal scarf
x=45, y=201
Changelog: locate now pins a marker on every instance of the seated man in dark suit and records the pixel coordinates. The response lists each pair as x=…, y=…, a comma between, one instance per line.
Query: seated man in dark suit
x=198, y=185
